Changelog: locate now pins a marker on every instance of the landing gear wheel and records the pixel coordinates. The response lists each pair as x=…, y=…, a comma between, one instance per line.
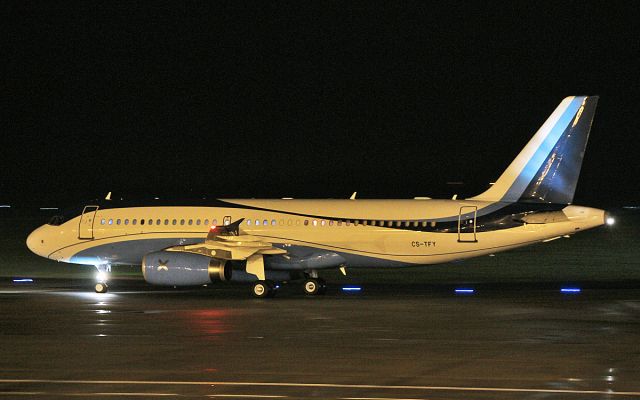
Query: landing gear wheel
x=313, y=286
x=264, y=289
x=101, y=287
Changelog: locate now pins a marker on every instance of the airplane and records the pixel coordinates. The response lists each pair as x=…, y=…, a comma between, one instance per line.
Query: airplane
x=267, y=241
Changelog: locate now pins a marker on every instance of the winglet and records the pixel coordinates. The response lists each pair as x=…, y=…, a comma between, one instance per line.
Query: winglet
x=353, y=196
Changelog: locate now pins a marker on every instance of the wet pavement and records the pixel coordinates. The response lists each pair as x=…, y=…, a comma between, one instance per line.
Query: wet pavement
x=403, y=341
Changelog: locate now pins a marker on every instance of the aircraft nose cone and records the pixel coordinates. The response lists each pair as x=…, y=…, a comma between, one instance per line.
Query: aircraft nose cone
x=35, y=242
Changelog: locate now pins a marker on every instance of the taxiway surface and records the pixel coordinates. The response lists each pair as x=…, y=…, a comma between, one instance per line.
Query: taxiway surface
x=389, y=342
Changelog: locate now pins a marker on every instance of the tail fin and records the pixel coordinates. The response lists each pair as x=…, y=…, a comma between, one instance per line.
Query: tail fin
x=547, y=169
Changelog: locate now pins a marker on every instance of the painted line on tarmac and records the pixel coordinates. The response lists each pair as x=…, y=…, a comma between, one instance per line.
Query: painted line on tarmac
x=377, y=398
x=256, y=396
x=325, y=385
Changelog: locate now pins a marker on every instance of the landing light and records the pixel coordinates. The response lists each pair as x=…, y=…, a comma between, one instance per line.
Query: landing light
x=610, y=221
x=351, y=289
x=465, y=291
x=570, y=290
x=101, y=276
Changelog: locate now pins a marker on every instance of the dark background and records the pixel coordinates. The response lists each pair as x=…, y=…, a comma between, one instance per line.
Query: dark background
x=307, y=99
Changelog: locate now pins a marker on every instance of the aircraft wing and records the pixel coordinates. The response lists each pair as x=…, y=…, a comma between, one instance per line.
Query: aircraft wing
x=230, y=244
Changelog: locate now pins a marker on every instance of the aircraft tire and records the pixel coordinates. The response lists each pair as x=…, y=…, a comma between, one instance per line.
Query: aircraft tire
x=312, y=286
x=263, y=289
x=101, y=287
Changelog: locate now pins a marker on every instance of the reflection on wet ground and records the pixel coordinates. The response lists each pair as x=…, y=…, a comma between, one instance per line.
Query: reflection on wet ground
x=388, y=342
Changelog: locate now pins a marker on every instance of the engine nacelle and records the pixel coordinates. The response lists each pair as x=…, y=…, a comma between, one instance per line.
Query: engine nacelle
x=170, y=268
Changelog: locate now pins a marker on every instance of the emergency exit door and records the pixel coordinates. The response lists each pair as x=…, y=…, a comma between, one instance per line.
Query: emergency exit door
x=467, y=224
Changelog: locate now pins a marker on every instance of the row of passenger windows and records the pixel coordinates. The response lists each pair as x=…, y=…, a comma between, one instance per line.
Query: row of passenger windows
x=158, y=221
x=266, y=222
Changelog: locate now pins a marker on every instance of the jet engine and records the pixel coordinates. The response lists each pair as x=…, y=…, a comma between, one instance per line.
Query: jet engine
x=170, y=268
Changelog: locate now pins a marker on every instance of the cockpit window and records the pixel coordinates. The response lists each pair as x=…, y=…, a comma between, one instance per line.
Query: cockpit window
x=56, y=220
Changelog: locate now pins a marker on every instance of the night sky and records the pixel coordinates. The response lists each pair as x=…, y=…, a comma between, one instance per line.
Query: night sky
x=307, y=99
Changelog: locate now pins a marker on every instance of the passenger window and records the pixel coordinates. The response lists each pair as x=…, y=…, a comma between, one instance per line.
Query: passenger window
x=118, y=221
x=150, y=222
x=248, y=222
x=265, y=222
x=433, y=224
x=206, y=222
x=214, y=222
x=190, y=222
x=356, y=222
x=197, y=222
x=142, y=222
x=415, y=224
x=315, y=222
x=158, y=221
x=398, y=223
x=126, y=221
x=348, y=222
x=424, y=224
x=181, y=222
x=306, y=222
x=339, y=223
x=166, y=222
x=102, y=221
x=323, y=223
x=273, y=222
x=135, y=221
x=110, y=221
x=257, y=222
x=331, y=223
x=175, y=221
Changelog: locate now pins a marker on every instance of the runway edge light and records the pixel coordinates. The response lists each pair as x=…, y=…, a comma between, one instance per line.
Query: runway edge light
x=22, y=280
x=464, y=291
x=570, y=290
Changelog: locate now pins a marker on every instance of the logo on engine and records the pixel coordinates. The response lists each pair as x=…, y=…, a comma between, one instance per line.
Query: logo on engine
x=162, y=265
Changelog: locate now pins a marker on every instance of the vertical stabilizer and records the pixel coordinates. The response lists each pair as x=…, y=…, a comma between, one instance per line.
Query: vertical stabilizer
x=547, y=169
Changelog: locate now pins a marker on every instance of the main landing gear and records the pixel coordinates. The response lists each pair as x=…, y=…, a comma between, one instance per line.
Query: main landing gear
x=264, y=289
x=314, y=286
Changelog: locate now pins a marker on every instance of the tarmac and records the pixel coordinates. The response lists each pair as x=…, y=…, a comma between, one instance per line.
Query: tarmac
x=59, y=339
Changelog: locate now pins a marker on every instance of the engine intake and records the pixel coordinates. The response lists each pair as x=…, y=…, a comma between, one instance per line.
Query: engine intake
x=184, y=269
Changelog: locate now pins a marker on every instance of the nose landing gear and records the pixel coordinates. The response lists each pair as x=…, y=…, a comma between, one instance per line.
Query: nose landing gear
x=101, y=287
x=102, y=276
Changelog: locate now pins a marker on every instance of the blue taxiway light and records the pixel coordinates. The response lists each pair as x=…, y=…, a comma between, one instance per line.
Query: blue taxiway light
x=465, y=291
x=22, y=280
x=570, y=290
x=351, y=289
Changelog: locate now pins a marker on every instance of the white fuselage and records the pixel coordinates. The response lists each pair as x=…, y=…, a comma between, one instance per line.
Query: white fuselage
x=360, y=233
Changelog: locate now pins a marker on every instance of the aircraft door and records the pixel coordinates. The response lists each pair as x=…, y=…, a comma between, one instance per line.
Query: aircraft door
x=467, y=224
x=85, y=227
x=227, y=220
